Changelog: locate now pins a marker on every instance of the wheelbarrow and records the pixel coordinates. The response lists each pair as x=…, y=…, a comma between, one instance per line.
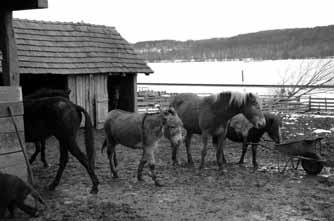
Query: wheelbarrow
x=305, y=151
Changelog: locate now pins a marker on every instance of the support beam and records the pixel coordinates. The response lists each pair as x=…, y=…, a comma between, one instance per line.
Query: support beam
x=14, y=5
x=133, y=92
x=10, y=66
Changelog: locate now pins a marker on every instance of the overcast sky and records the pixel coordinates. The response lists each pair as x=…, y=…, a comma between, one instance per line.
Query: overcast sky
x=142, y=20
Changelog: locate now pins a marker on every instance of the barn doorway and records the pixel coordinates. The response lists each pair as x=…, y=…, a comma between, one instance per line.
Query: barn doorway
x=122, y=92
x=33, y=82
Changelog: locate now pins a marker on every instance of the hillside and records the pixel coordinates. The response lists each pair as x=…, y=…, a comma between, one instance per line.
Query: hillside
x=317, y=42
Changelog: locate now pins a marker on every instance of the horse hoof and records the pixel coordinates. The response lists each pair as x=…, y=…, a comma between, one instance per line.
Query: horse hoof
x=241, y=164
x=94, y=190
x=52, y=187
x=176, y=164
x=221, y=172
x=201, y=167
x=158, y=184
x=115, y=176
x=36, y=214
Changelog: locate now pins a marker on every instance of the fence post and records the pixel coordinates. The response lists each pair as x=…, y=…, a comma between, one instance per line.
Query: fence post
x=309, y=103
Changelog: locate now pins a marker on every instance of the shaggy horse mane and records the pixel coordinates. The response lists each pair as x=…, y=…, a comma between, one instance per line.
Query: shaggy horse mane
x=236, y=97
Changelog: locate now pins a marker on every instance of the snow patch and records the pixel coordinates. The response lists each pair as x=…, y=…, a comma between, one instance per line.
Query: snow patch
x=320, y=131
x=321, y=116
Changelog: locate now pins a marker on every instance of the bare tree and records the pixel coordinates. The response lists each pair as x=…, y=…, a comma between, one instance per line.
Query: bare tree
x=308, y=79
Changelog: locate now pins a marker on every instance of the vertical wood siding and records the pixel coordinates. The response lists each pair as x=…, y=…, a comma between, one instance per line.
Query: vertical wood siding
x=11, y=158
x=90, y=92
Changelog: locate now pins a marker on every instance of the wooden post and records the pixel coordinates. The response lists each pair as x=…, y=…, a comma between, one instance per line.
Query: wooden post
x=9, y=52
x=309, y=103
x=11, y=156
x=133, y=92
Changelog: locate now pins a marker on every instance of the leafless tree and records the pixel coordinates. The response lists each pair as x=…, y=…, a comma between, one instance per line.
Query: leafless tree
x=311, y=73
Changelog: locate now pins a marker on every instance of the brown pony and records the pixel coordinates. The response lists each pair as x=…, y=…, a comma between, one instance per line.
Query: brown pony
x=242, y=131
x=209, y=116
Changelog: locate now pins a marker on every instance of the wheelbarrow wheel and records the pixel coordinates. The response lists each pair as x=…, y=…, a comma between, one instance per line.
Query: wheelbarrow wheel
x=312, y=167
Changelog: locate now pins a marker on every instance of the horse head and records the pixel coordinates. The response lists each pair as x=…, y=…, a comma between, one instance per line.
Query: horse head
x=173, y=126
x=251, y=108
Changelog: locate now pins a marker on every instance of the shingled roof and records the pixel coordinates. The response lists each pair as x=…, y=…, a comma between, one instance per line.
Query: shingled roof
x=73, y=48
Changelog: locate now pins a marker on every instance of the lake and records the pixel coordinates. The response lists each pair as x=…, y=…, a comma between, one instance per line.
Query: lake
x=227, y=72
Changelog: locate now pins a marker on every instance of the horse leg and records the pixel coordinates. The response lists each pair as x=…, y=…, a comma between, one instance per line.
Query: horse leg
x=244, y=150
x=204, y=149
x=112, y=156
x=188, y=142
x=148, y=156
x=37, y=150
x=76, y=152
x=175, y=149
x=254, y=150
x=11, y=209
x=62, y=164
x=45, y=163
x=220, y=152
x=141, y=165
x=151, y=164
x=2, y=212
x=115, y=159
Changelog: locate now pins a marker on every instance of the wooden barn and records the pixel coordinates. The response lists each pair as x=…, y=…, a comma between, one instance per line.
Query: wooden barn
x=93, y=61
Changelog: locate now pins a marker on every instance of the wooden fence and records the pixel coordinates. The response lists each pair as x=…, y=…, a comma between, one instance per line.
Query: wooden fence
x=149, y=103
x=321, y=104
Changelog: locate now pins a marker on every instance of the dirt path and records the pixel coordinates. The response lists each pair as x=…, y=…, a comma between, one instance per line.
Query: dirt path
x=188, y=194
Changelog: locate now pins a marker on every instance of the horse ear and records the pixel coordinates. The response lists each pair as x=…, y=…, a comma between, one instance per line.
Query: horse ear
x=68, y=91
x=158, y=107
x=172, y=110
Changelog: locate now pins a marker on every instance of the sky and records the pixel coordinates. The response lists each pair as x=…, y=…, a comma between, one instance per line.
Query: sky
x=144, y=20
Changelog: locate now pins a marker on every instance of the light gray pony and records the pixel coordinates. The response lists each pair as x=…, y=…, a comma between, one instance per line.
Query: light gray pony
x=209, y=116
x=140, y=131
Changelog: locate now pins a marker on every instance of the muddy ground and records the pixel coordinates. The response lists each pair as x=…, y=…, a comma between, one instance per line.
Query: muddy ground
x=189, y=194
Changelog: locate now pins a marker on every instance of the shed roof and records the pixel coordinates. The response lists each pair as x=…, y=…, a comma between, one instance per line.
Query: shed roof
x=73, y=48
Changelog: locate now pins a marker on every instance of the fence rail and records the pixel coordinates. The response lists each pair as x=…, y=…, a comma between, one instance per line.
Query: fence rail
x=147, y=101
x=269, y=103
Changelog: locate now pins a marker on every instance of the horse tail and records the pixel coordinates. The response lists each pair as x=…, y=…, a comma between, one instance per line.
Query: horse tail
x=89, y=137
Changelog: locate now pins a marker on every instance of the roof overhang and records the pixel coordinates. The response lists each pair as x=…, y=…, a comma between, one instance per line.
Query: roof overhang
x=13, y=5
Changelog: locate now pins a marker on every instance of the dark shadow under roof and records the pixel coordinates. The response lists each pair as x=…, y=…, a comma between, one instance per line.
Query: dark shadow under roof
x=74, y=48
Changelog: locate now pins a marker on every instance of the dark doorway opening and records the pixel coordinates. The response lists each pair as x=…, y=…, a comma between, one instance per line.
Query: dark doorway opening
x=121, y=92
x=32, y=82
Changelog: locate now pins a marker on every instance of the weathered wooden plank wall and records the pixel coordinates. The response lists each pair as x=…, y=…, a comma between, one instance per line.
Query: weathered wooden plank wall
x=101, y=99
x=11, y=158
x=90, y=92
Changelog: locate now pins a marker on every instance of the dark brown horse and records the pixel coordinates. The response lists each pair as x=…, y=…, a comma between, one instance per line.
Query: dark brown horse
x=140, y=131
x=44, y=92
x=209, y=115
x=59, y=117
x=242, y=131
